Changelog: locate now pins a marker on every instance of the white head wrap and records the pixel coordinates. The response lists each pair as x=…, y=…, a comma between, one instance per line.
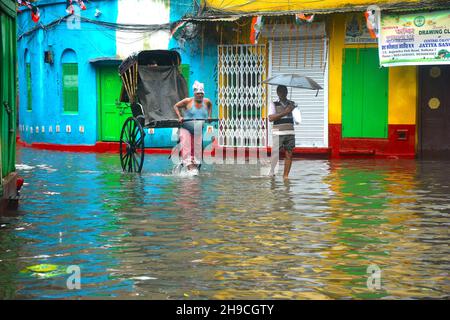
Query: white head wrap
x=198, y=87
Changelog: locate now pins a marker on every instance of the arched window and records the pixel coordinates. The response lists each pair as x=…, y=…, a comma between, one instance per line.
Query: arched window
x=70, y=81
x=28, y=80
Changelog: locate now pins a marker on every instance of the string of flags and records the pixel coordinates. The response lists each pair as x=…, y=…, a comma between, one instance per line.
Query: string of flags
x=70, y=8
x=371, y=16
x=258, y=22
x=372, y=23
x=35, y=12
x=256, y=29
x=177, y=29
x=300, y=17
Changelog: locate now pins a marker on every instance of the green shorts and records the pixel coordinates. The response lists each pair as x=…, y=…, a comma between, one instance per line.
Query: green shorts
x=286, y=141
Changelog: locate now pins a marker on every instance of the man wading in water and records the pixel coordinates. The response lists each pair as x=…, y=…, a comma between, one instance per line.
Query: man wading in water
x=191, y=132
x=283, y=116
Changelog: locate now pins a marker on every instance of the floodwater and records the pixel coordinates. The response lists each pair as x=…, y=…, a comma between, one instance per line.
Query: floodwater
x=229, y=233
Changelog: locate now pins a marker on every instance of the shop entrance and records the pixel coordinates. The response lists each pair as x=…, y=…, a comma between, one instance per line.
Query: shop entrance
x=434, y=112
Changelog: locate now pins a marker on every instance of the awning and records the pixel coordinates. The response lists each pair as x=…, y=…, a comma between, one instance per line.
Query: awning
x=226, y=10
x=323, y=6
x=213, y=18
x=106, y=61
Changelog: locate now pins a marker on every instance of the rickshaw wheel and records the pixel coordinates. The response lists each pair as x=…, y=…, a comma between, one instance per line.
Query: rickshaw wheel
x=132, y=146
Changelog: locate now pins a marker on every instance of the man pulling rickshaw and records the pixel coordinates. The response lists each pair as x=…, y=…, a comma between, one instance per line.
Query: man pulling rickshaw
x=191, y=137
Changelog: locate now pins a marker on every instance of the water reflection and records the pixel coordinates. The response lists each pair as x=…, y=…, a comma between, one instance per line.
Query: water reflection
x=229, y=233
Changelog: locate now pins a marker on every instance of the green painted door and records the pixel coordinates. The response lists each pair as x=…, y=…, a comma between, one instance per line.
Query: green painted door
x=186, y=72
x=7, y=88
x=364, y=95
x=112, y=112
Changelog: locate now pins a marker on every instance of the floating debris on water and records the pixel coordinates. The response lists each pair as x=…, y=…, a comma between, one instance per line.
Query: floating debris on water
x=21, y=166
x=144, y=278
x=45, y=270
x=42, y=268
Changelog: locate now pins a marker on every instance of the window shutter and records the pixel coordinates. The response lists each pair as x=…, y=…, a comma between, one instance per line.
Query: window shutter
x=70, y=87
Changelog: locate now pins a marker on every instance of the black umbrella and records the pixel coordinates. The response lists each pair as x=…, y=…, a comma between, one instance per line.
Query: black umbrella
x=294, y=81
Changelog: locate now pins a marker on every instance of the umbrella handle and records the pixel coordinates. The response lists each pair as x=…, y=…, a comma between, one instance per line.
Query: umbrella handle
x=317, y=92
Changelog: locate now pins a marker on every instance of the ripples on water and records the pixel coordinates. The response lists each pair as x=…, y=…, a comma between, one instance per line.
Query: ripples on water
x=229, y=233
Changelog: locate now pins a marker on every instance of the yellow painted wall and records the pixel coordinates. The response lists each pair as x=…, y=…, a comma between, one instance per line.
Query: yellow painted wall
x=402, y=95
x=290, y=5
x=336, y=31
x=402, y=80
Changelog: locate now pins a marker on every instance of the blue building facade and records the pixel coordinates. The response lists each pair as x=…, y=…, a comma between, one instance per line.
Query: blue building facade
x=42, y=56
x=201, y=58
x=69, y=85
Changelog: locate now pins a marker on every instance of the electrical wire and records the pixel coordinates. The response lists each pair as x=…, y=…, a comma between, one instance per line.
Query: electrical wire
x=138, y=28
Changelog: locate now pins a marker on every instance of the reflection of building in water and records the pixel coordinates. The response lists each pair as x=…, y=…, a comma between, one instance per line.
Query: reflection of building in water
x=268, y=237
x=420, y=227
x=375, y=213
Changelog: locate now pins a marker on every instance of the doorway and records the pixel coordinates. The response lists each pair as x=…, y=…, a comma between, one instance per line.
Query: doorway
x=113, y=113
x=364, y=95
x=434, y=112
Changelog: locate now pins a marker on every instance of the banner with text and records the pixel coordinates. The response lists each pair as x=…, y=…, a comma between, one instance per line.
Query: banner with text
x=415, y=39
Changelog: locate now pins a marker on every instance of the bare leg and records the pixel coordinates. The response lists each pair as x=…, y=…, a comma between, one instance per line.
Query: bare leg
x=287, y=164
x=186, y=145
x=275, y=155
x=197, y=143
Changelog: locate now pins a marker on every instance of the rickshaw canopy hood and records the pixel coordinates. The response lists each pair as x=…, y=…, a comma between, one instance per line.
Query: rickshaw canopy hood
x=149, y=57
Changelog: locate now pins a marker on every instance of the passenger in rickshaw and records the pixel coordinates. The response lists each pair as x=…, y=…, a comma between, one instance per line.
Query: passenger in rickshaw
x=191, y=132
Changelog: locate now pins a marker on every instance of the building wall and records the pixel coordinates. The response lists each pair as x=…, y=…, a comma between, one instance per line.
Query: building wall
x=402, y=104
x=89, y=42
x=142, y=12
x=145, y=12
x=200, y=56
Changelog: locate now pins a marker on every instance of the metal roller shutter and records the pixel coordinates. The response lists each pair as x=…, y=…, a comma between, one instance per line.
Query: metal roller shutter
x=306, y=57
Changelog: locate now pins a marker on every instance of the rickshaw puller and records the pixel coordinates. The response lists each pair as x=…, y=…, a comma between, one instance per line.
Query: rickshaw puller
x=191, y=132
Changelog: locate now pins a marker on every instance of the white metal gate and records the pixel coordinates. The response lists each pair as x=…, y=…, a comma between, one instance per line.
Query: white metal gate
x=241, y=97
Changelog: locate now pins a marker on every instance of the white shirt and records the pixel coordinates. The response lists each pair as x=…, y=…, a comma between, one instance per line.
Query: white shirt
x=295, y=114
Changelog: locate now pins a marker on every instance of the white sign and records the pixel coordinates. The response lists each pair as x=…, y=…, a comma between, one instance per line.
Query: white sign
x=415, y=39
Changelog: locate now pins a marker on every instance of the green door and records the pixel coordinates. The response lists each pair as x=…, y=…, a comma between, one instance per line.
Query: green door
x=364, y=95
x=112, y=112
x=7, y=88
x=186, y=72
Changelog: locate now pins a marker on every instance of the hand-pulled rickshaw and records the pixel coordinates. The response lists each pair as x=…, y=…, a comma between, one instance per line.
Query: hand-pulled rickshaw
x=152, y=85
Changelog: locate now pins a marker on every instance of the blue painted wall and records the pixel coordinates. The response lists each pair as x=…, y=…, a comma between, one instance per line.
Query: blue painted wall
x=202, y=61
x=89, y=42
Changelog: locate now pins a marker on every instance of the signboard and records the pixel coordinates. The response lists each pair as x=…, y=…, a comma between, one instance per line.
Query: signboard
x=356, y=30
x=415, y=39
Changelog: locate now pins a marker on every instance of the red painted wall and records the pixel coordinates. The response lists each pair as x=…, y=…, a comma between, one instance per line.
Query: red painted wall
x=399, y=144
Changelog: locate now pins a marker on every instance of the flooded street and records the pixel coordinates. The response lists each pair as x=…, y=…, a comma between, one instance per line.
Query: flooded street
x=228, y=233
